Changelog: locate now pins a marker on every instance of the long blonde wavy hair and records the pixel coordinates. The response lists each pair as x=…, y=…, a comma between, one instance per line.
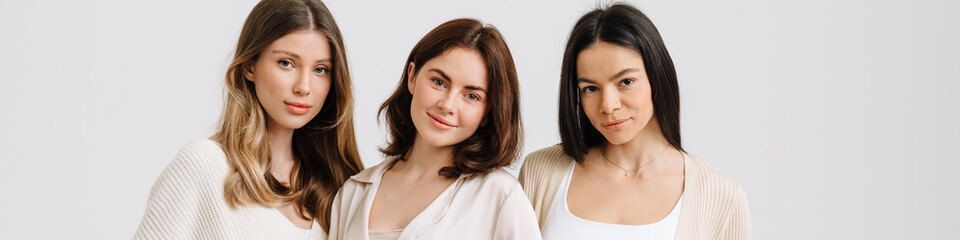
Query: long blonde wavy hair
x=325, y=148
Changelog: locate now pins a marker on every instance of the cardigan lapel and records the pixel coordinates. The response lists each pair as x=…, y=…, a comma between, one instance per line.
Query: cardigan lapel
x=691, y=190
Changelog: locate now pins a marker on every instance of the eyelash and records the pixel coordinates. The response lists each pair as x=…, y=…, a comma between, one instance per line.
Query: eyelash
x=438, y=82
x=471, y=96
x=285, y=63
x=288, y=64
x=623, y=83
x=588, y=89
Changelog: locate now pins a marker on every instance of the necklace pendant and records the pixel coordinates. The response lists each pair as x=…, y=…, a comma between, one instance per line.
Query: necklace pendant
x=626, y=174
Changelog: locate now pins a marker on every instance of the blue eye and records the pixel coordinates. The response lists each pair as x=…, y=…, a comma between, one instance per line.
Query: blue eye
x=320, y=70
x=285, y=63
x=473, y=97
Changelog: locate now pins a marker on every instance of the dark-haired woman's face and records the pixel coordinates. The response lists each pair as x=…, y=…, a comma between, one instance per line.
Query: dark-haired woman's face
x=449, y=96
x=615, y=91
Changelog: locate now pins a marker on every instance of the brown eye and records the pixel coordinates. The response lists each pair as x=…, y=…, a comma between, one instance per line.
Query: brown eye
x=626, y=82
x=589, y=89
x=437, y=82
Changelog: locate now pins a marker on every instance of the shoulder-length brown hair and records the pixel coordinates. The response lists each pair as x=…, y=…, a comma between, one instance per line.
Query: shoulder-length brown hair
x=496, y=143
x=325, y=148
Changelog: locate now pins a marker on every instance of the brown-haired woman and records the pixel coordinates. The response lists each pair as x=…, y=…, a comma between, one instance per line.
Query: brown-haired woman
x=454, y=123
x=285, y=143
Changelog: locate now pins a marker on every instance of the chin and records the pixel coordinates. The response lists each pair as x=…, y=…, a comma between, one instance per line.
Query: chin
x=616, y=139
x=440, y=141
x=293, y=123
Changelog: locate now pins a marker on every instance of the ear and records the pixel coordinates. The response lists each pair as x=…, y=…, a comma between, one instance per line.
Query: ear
x=411, y=82
x=247, y=69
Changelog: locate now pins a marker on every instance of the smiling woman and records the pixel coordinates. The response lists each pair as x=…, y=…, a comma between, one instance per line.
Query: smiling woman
x=285, y=143
x=454, y=124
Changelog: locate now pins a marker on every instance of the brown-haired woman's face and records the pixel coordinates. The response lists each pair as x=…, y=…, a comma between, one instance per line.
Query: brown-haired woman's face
x=615, y=91
x=292, y=78
x=449, y=96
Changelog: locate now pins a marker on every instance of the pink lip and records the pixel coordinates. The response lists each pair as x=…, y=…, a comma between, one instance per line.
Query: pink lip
x=440, y=123
x=614, y=125
x=297, y=107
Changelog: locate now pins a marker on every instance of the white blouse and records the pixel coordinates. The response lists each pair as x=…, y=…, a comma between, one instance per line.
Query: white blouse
x=488, y=206
x=562, y=224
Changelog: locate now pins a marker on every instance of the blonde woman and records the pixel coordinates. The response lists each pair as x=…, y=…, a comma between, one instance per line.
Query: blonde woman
x=285, y=143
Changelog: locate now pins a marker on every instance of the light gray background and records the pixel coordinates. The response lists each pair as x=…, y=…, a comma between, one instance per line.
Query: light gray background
x=838, y=118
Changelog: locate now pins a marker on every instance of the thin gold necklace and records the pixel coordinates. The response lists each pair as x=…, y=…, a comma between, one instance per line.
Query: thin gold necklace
x=627, y=172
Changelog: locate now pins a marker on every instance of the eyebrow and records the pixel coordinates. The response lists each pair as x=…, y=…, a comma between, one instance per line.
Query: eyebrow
x=294, y=55
x=618, y=75
x=445, y=77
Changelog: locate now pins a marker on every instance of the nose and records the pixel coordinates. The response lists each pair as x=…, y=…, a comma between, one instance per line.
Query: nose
x=301, y=86
x=448, y=102
x=610, y=102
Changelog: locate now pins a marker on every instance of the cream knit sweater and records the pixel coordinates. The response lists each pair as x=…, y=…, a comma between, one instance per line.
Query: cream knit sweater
x=714, y=206
x=187, y=202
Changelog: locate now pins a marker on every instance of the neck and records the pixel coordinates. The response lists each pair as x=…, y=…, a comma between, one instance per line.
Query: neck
x=649, y=145
x=424, y=160
x=279, y=140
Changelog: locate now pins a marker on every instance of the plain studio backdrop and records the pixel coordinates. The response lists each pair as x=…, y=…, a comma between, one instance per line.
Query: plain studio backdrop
x=838, y=118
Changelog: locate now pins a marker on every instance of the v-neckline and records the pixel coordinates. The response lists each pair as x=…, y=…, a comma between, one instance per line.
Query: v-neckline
x=425, y=218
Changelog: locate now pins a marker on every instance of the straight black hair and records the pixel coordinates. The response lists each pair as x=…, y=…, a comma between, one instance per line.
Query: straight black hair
x=623, y=25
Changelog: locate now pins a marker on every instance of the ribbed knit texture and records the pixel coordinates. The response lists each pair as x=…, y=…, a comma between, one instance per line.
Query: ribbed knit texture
x=714, y=206
x=187, y=202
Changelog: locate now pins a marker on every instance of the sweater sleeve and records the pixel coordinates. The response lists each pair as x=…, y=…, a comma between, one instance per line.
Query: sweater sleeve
x=516, y=219
x=738, y=225
x=173, y=207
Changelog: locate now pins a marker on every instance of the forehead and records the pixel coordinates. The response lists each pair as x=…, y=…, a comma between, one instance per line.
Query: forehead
x=462, y=65
x=602, y=60
x=308, y=44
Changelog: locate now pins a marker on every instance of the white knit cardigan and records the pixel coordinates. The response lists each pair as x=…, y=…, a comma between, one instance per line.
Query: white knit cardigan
x=187, y=202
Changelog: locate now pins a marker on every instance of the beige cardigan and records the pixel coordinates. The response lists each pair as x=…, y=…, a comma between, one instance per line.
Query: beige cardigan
x=714, y=206
x=488, y=206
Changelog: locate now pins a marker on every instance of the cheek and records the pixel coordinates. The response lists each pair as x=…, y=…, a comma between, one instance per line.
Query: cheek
x=472, y=115
x=268, y=81
x=424, y=96
x=591, y=107
x=322, y=90
x=642, y=103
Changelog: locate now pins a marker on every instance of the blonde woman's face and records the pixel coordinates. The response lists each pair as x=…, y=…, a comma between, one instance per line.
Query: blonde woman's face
x=292, y=78
x=449, y=96
x=614, y=91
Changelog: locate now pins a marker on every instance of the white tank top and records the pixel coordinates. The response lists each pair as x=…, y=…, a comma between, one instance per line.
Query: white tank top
x=562, y=224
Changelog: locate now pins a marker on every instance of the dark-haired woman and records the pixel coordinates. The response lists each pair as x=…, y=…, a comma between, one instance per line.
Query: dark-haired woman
x=454, y=123
x=620, y=171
